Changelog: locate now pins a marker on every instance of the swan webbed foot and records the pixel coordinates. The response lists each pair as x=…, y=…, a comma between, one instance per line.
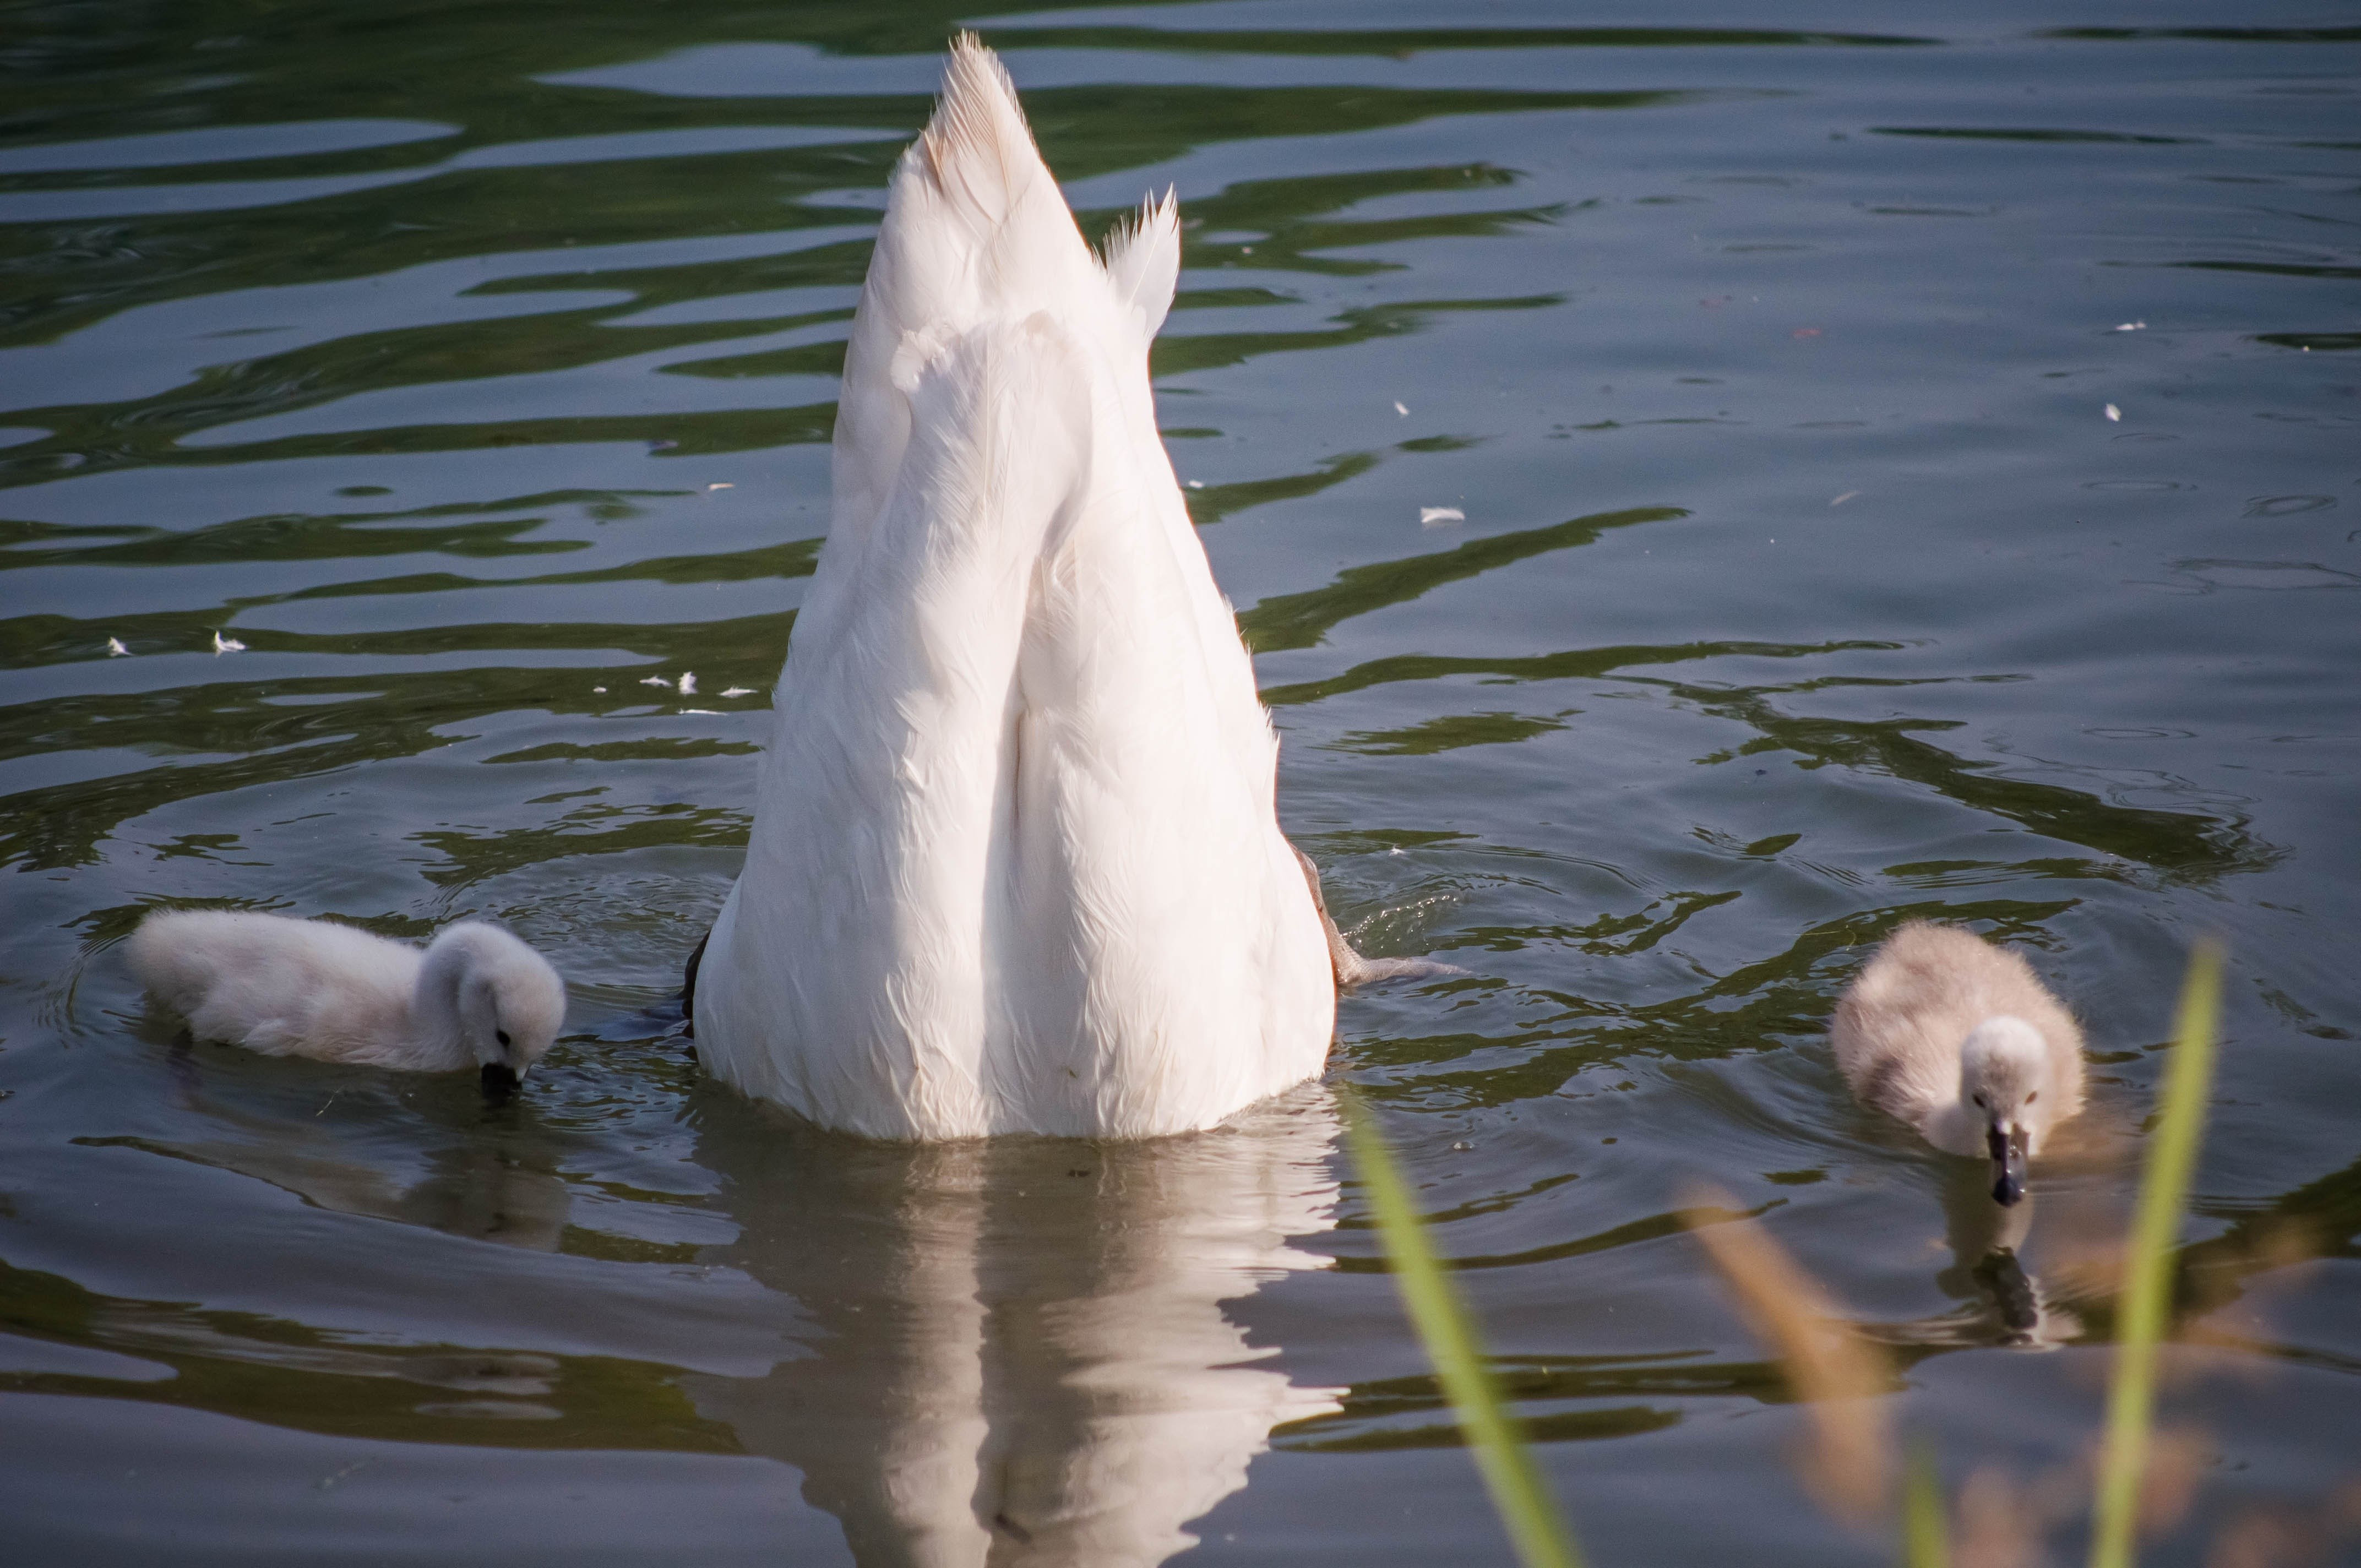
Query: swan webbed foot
x=1372, y=971
x=1350, y=969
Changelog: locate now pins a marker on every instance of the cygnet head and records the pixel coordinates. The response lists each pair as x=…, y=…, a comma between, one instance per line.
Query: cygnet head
x=509, y=1003
x=2004, y=1072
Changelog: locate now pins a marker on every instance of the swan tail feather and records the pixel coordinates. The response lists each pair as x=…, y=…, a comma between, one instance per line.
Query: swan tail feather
x=975, y=230
x=1143, y=264
x=977, y=150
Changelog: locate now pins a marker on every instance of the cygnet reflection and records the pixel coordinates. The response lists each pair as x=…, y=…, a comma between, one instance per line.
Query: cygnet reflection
x=1986, y=1242
x=1021, y=1354
x=456, y=1165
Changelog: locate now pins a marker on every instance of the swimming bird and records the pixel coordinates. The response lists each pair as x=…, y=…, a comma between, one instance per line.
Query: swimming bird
x=1962, y=1040
x=475, y=997
x=1016, y=864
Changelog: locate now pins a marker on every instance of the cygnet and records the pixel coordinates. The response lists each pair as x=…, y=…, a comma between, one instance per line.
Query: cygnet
x=1962, y=1040
x=475, y=997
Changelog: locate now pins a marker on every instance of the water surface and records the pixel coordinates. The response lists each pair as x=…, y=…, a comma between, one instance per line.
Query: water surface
x=1908, y=468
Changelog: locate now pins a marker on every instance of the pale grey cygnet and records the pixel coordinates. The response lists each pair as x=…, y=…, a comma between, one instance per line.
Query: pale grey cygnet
x=476, y=997
x=1962, y=1040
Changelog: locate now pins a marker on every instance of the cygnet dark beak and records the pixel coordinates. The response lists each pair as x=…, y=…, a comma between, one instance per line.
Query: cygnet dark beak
x=2007, y=1152
x=500, y=1080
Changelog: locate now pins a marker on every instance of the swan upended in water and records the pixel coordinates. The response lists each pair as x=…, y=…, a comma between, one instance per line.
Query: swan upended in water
x=1962, y=1040
x=475, y=997
x=1016, y=863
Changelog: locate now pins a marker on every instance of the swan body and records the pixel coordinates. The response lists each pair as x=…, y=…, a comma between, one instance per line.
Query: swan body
x=1962, y=1040
x=1016, y=865
x=474, y=998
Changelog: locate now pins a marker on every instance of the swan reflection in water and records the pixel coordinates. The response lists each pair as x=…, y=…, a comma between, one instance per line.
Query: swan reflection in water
x=1020, y=1355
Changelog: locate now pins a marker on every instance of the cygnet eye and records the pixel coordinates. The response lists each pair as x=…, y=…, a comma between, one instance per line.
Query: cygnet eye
x=1980, y=1099
x=502, y=1036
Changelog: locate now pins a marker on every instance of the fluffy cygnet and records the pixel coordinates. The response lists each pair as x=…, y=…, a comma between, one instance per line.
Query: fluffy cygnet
x=1962, y=1040
x=476, y=997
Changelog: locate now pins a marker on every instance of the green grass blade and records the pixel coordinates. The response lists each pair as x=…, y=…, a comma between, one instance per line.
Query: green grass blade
x=2146, y=1302
x=1535, y=1527
x=1926, y=1535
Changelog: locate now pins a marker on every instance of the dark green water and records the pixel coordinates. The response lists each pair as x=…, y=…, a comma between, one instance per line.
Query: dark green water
x=473, y=365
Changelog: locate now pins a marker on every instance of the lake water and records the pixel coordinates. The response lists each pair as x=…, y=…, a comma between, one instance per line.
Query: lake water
x=1909, y=466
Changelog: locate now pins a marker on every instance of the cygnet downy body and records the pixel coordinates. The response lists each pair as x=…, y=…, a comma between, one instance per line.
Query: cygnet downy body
x=1962, y=1040
x=475, y=997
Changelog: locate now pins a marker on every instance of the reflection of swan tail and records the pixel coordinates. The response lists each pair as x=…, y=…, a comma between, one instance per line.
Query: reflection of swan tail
x=1022, y=1349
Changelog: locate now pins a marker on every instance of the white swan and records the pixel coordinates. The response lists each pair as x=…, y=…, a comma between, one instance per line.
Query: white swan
x=1016, y=865
x=1962, y=1040
x=476, y=997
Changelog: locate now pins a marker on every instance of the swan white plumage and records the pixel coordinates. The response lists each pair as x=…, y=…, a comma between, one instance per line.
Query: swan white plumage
x=1962, y=1040
x=1016, y=864
x=475, y=997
